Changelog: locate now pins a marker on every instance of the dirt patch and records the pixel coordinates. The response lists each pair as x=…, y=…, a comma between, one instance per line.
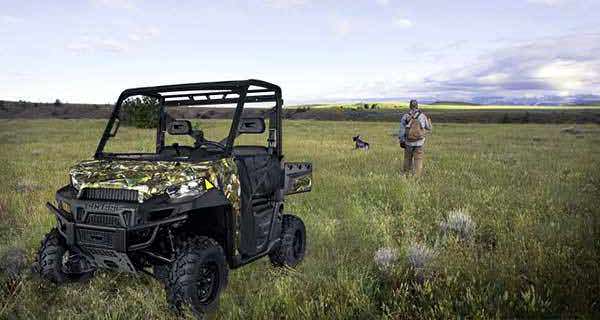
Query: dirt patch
x=5, y=216
x=578, y=131
x=10, y=226
x=572, y=130
x=13, y=262
x=27, y=186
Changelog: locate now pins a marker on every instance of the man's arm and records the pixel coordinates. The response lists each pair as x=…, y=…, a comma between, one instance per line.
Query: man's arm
x=425, y=122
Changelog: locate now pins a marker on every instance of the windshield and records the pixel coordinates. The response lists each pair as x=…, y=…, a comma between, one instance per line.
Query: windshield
x=136, y=133
x=190, y=121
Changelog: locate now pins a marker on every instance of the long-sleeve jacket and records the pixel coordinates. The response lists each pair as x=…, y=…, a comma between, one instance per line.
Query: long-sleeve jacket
x=425, y=124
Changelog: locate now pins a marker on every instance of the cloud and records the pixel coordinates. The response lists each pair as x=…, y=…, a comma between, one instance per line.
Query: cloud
x=17, y=76
x=9, y=20
x=549, y=66
x=112, y=45
x=133, y=39
x=341, y=27
x=86, y=45
x=548, y=2
x=286, y=3
x=560, y=66
x=568, y=75
x=79, y=46
x=403, y=23
x=115, y=4
x=144, y=34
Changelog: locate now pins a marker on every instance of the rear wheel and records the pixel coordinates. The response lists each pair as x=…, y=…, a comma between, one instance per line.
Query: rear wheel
x=59, y=264
x=197, y=276
x=291, y=250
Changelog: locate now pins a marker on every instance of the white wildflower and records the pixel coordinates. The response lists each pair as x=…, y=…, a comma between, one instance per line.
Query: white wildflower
x=385, y=258
x=419, y=256
x=460, y=223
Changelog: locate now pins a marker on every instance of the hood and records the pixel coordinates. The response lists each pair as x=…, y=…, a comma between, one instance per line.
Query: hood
x=149, y=178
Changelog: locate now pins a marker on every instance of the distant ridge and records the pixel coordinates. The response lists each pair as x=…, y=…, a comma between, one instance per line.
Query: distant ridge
x=586, y=103
x=546, y=100
x=25, y=110
x=454, y=103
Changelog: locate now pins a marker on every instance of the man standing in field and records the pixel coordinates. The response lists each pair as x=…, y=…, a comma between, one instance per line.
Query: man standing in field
x=414, y=125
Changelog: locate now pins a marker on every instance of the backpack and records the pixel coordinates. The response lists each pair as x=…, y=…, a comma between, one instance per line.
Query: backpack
x=414, y=130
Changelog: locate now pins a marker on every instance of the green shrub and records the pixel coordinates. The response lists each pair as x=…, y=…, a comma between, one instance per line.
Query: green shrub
x=526, y=117
x=140, y=112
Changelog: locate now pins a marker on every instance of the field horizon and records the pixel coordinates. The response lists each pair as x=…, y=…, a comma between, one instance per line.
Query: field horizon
x=443, y=106
x=372, y=111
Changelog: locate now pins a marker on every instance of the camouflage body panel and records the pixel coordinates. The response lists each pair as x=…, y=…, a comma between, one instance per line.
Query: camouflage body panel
x=298, y=176
x=302, y=184
x=152, y=178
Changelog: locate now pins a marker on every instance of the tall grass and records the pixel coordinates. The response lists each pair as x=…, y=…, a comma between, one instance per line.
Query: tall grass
x=531, y=192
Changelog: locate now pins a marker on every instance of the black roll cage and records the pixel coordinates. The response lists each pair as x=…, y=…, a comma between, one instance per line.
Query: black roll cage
x=247, y=91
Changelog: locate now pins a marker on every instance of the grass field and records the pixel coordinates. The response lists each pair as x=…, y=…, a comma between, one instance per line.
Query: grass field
x=525, y=243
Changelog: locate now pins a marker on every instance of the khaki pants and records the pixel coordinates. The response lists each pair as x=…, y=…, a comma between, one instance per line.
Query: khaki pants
x=413, y=160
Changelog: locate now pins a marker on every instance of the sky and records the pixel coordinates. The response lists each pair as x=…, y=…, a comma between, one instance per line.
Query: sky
x=90, y=50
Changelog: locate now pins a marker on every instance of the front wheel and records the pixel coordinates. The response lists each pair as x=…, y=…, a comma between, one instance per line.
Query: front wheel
x=161, y=272
x=197, y=276
x=59, y=264
x=291, y=250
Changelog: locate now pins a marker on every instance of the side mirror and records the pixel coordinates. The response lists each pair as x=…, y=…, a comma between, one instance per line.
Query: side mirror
x=252, y=125
x=179, y=127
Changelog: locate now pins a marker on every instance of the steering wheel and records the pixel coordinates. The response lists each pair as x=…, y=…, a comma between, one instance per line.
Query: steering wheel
x=213, y=143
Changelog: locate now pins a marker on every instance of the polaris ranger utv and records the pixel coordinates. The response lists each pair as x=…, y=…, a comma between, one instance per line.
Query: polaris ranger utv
x=189, y=211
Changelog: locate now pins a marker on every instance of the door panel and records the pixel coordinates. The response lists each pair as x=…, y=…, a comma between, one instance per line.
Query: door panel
x=248, y=240
x=260, y=177
x=265, y=174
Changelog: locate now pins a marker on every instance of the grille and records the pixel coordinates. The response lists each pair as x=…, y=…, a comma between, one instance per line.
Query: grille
x=95, y=237
x=104, y=220
x=110, y=194
x=101, y=252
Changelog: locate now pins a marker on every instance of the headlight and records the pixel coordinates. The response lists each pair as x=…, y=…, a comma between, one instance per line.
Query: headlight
x=188, y=189
x=74, y=183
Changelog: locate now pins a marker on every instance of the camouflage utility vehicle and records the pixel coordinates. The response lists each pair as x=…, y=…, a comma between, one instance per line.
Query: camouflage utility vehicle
x=188, y=204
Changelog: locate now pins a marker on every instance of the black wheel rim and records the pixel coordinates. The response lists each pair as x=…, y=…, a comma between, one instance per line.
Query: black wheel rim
x=298, y=245
x=207, y=283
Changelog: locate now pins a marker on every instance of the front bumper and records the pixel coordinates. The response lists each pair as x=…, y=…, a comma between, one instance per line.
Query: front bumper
x=107, y=237
x=109, y=232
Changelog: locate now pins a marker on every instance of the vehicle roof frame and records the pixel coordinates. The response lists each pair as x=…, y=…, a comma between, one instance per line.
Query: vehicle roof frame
x=264, y=92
